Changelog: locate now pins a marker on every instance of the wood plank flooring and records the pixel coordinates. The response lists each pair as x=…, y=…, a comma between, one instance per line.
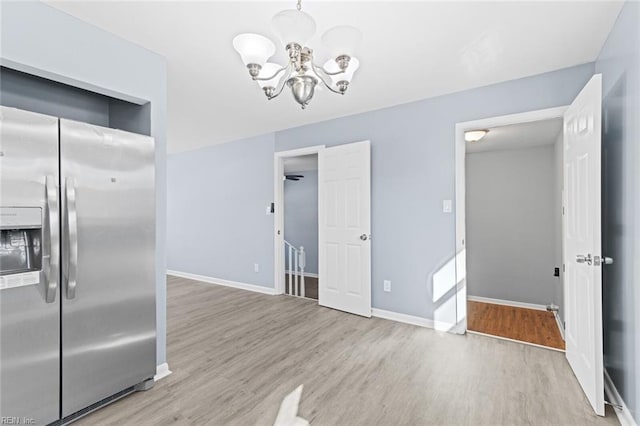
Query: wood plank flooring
x=525, y=325
x=236, y=354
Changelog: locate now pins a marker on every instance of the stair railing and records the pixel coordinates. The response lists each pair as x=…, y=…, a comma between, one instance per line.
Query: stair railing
x=295, y=269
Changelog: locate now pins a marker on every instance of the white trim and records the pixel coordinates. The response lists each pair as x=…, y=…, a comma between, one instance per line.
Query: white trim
x=460, y=208
x=506, y=303
x=624, y=415
x=226, y=283
x=278, y=202
x=411, y=319
x=162, y=371
x=514, y=341
x=306, y=274
x=559, y=322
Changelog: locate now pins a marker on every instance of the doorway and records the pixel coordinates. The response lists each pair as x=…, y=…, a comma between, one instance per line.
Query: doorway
x=582, y=257
x=300, y=209
x=343, y=226
x=513, y=203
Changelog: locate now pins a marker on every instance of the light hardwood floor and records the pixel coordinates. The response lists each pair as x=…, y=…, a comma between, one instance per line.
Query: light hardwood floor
x=526, y=325
x=236, y=354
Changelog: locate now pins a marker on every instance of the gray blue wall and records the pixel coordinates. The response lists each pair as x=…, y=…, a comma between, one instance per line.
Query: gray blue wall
x=217, y=200
x=511, y=225
x=413, y=170
x=301, y=216
x=40, y=40
x=24, y=91
x=619, y=63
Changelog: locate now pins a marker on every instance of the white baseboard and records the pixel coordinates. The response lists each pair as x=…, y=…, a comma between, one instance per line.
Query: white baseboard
x=507, y=303
x=226, y=283
x=306, y=274
x=624, y=415
x=411, y=319
x=559, y=322
x=162, y=371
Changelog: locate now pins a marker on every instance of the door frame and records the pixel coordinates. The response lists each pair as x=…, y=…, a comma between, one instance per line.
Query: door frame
x=460, y=193
x=278, y=222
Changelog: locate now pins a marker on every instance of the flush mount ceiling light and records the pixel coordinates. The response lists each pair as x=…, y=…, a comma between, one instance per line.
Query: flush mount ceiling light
x=474, y=135
x=294, y=28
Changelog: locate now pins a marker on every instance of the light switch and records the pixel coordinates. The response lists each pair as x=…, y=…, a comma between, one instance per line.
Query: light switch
x=446, y=206
x=268, y=211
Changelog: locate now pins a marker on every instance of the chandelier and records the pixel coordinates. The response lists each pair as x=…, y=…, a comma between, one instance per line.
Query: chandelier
x=301, y=74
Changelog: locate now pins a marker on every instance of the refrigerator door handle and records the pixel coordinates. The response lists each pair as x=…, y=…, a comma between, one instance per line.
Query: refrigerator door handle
x=72, y=235
x=52, y=264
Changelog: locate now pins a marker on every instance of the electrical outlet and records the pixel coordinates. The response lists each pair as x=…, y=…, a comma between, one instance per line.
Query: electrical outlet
x=387, y=285
x=256, y=268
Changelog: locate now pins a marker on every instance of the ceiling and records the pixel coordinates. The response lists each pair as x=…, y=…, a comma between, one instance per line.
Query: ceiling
x=411, y=50
x=517, y=136
x=301, y=163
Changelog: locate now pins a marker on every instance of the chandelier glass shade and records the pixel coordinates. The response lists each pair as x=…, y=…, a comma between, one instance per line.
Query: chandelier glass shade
x=294, y=28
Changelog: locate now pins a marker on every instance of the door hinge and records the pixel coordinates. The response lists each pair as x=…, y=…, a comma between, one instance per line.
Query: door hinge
x=563, y=267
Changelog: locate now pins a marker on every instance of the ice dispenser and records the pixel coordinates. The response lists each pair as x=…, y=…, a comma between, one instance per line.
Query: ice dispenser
x=20, y=246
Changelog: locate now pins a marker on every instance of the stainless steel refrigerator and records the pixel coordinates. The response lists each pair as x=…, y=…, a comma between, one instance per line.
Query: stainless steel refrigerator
x=77, y=275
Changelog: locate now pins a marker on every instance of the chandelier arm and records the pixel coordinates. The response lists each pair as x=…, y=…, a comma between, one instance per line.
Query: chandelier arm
x=315, y=70
x=273, y=76
x=328, y=72
x=283, y=82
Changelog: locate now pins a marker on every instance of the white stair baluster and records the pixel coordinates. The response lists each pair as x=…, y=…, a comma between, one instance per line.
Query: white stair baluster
x=295, y=286
x=290, y=286
x=303, y=261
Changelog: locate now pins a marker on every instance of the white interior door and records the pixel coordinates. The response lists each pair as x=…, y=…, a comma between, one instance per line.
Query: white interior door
x=344, y=177
x=582, y=244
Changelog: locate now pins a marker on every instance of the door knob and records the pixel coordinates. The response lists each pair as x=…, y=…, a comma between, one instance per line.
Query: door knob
x=581, y=258
x=364, y=237
x=604, y=260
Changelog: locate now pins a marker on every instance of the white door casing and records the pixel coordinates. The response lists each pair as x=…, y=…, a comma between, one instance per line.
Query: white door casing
x=278, y=190
x=344, y=219
x=583, y=241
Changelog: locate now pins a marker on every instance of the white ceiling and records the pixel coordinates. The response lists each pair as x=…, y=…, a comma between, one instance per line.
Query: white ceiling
x=301, y=163
x=517, y=136
x=411, y=50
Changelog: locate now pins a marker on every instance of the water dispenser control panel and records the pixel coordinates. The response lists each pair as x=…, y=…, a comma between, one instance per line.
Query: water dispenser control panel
x=20, y=246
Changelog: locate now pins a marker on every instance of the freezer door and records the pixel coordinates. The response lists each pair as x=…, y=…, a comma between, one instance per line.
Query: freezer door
x=29, y=271
x=108, y=263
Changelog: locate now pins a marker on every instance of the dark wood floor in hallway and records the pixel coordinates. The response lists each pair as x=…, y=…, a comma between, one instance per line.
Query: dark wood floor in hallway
x=310, y=287
x=526, y=325
x=235, y=355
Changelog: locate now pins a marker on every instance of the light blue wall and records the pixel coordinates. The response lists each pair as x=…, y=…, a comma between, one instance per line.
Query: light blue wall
x=45, y=42
x=301, y=216
x=619, y=63
x=24, y=91
x=217, y=200
x=413, y=170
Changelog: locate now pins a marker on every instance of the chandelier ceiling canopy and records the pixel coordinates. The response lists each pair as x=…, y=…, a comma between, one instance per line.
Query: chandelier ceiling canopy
x=294, y=28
